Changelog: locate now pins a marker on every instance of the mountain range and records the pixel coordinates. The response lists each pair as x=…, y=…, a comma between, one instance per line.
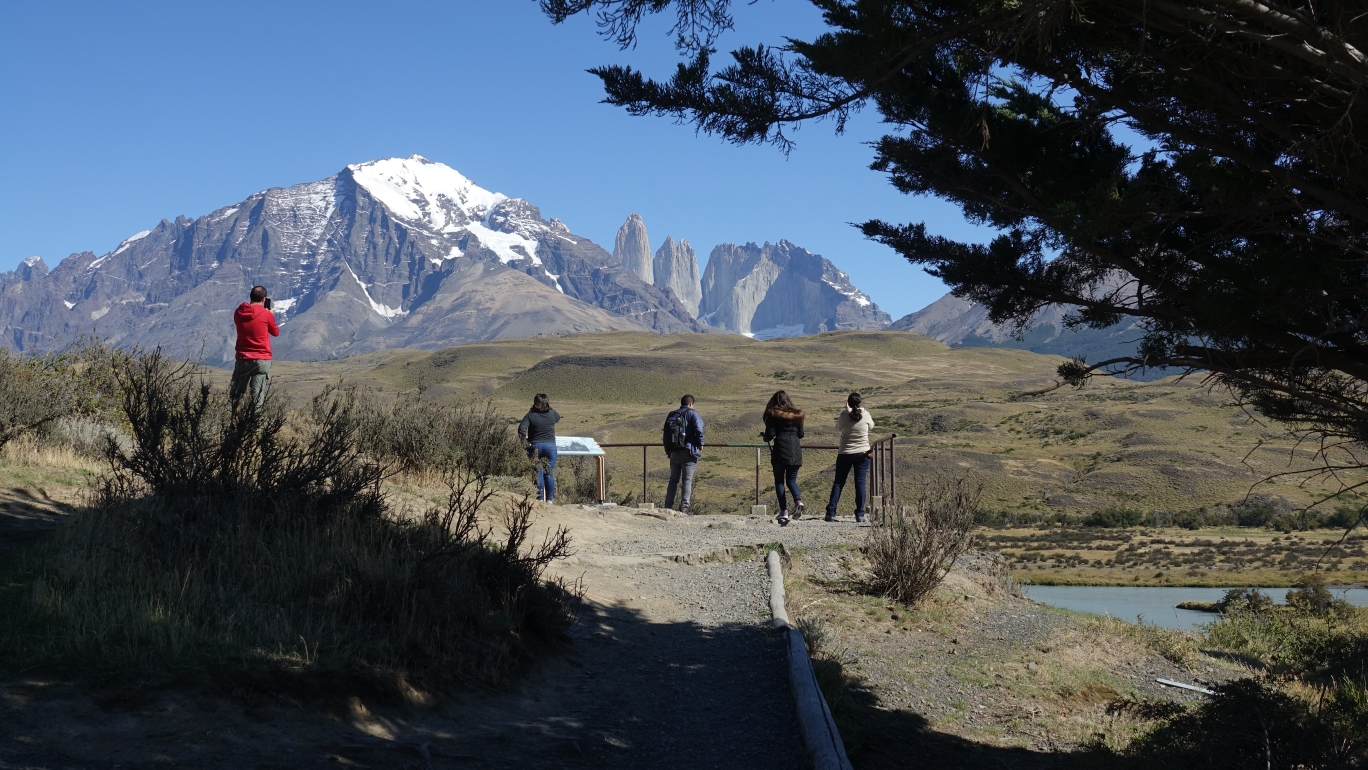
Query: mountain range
x=763, y=292
x=405, y=252
x=960, y=323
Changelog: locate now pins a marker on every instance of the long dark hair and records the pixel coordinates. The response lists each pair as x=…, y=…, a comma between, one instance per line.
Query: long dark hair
x=853, y=401
x=540, y=403
x=780, y=400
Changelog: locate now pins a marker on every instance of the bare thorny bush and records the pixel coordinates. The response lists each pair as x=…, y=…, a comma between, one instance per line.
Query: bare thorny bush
x=261, y=543
x=913, y=548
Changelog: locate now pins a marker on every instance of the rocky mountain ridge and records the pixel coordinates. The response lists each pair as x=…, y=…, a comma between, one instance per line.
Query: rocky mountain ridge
x=405, y=252
x=394, y=252
x=764, y=292
x=960, y=323
x=782, y=290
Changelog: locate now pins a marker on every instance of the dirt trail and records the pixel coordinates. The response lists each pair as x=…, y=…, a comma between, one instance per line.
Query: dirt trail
x=672, y=666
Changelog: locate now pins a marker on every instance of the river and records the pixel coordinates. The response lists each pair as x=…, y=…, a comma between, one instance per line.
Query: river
x=1158, y=606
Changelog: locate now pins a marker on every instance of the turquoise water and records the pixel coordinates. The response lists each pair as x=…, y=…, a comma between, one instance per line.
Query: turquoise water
x=1158, y=606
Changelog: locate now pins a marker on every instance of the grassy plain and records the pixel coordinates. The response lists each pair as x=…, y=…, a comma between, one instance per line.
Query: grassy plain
x=1172, y=445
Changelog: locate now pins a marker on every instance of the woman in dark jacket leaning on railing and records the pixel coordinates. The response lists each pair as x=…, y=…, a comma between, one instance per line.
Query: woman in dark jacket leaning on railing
x=784, y=427
x=538, y=433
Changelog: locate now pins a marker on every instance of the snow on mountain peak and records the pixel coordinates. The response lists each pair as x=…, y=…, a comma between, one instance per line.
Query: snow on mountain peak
x=129, y=241
x=421, y=191
x=31, y=261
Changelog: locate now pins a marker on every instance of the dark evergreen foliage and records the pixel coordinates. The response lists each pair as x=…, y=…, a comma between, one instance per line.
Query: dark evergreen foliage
x=1236, y=239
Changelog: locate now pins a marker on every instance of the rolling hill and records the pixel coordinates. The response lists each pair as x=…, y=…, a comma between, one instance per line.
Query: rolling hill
x=1165, y=445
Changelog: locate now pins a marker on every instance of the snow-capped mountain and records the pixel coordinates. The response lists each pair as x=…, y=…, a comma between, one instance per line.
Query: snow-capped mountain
x=399, y=252
x=782, y=290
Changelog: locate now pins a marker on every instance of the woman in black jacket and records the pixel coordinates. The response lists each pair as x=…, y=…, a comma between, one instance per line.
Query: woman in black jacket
x=784, y=427
x=538, y=434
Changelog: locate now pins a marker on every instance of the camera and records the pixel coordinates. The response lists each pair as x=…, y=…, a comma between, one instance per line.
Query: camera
x=266, y=303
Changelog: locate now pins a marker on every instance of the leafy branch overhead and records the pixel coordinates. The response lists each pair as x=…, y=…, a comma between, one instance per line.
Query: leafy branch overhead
x=1193, y=167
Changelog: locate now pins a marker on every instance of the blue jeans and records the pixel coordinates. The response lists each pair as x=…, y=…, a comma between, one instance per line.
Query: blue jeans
x=858, y=462
x=543, y=456
x=786, y=475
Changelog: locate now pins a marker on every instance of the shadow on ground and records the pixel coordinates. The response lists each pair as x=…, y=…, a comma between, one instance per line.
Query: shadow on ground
x=878, y=738
x=26, y=515
x=623, y=693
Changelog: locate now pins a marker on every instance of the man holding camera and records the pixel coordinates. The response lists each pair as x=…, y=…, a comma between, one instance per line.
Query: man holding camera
x=252, y=372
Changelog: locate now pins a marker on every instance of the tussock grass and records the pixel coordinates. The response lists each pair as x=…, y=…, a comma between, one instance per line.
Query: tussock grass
x=28, y=450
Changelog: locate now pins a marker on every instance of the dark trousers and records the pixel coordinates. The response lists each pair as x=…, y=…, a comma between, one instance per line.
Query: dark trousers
x=858, y=462
x=786, y=476
x=543, y=455
x=251, y=376
x=682, y=467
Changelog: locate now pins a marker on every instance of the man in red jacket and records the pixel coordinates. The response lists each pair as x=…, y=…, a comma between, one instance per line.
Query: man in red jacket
x=254, y=322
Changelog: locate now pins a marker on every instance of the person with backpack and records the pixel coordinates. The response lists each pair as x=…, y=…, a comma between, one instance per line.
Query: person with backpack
x=683, y=439
x=784, y=428
x=853, y=455
x=538, y=433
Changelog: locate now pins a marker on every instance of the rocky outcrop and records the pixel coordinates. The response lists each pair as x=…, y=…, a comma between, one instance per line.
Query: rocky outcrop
x=781, y=290
x=676, y=269
x=633, y=248
x=401, y=252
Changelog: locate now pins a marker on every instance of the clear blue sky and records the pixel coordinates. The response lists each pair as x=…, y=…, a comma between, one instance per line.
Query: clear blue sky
x=116, y=115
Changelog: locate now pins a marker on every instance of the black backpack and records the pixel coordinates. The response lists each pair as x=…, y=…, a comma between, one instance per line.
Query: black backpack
x=676, y=434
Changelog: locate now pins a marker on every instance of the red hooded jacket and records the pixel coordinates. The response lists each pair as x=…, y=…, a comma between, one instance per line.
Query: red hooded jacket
x=253, y=323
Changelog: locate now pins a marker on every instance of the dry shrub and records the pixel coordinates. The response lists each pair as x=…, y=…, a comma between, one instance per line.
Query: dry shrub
x=582, y=486
x=39, y=391
x=261, y=544
x=911, y=550
x=421, y=437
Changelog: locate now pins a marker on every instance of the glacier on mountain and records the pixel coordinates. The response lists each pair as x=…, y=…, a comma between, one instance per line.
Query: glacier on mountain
x=424, y=192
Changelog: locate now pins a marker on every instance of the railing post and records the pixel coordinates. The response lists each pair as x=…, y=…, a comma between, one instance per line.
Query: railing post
x=643, y=473
x=878, y=473
x=893, y=470
x=602, y=462
x=757, y=475
x=874, y=473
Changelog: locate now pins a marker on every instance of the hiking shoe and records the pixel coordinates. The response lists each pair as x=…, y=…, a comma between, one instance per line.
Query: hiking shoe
x=860, y=519
x=783, y=518
x=798, y=510
x=829, y=518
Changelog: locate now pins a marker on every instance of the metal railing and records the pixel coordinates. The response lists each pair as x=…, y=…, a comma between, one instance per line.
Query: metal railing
x=882, y=474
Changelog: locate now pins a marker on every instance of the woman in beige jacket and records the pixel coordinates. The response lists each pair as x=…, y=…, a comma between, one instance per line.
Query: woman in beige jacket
x=854, y=424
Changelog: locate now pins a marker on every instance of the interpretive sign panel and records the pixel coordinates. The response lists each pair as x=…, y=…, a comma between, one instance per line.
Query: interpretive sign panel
x=578, y=445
